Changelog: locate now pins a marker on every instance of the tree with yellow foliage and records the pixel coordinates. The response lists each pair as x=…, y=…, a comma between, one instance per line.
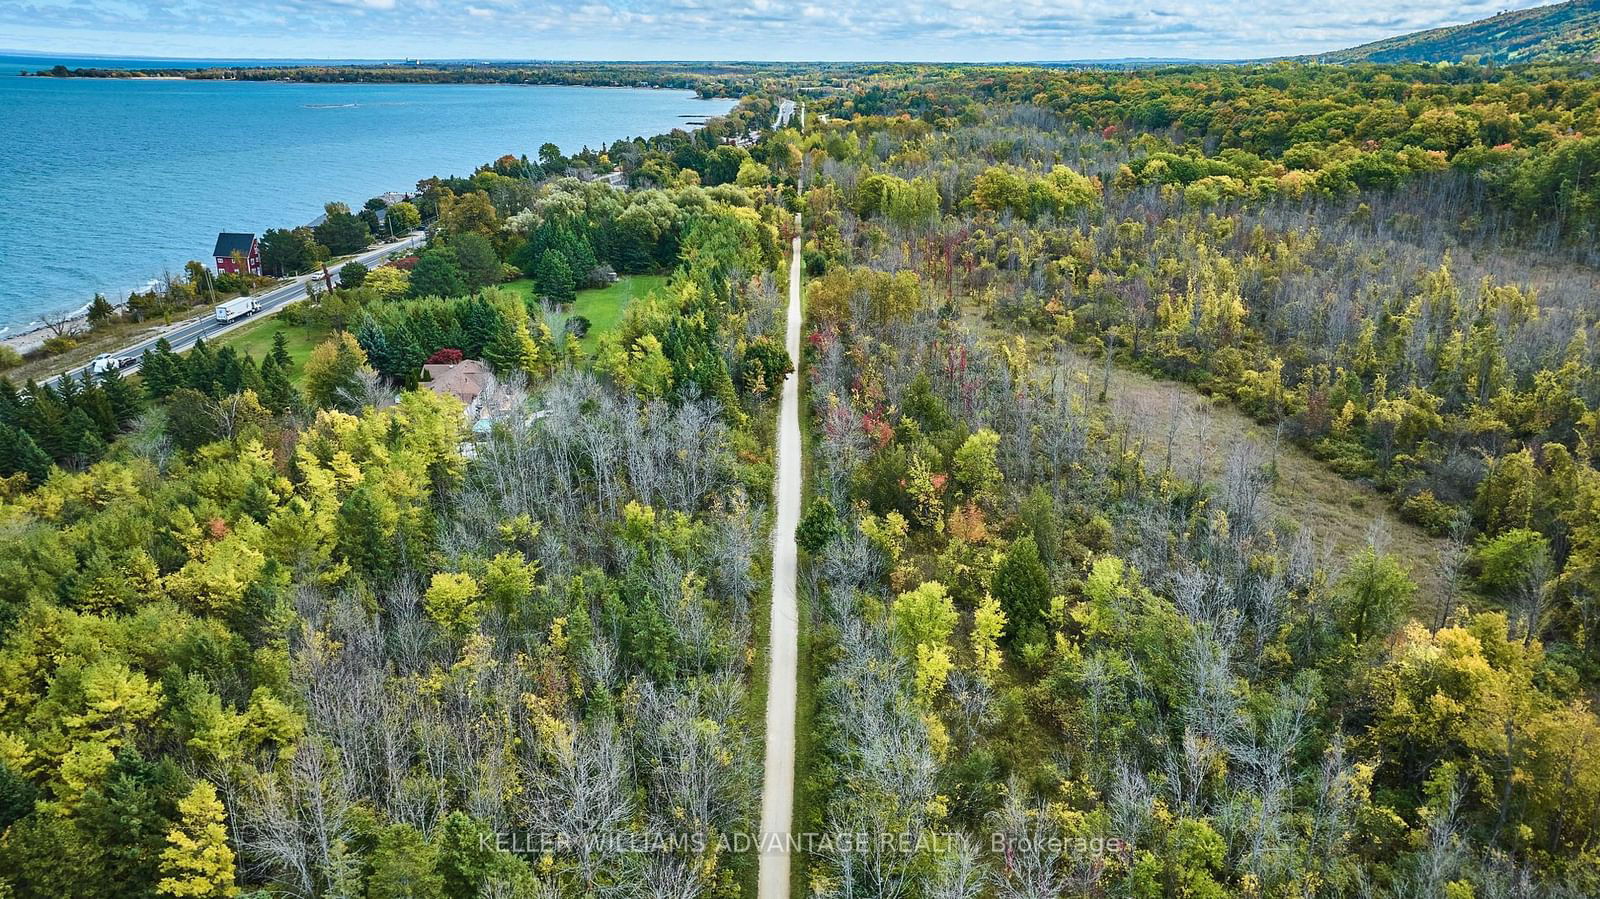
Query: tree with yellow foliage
x=198, y=862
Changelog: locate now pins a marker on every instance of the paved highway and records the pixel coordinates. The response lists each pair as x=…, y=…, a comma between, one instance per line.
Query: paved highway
x=182, y=336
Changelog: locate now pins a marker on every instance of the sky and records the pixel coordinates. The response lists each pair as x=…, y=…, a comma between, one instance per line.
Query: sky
x=828, y=30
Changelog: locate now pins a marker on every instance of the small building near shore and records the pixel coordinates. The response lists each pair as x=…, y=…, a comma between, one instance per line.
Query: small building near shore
x=237, y=253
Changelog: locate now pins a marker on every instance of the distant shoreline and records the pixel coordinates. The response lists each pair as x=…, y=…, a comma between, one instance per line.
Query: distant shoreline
x=138, y=76
x=705, y=80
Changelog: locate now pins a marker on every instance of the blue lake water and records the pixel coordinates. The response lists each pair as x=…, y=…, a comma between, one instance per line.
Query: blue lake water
x=104, y=184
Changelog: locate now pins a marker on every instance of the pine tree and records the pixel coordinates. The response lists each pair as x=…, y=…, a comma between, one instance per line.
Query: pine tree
x=46, y=421
x=250, y=376
x=10, y=402
x=199, y=367
x=480, y=321
x=100, y=311
x=190, y=420
x=363, y=540
x=121, y=397
x=554, y=276
x=18, y=452
x=277, y=392
x=198, y=861
x=280, y=351
x=161, y=371
x=512, y=348
x=84, y=445
x=227, y=372
x=93, y=401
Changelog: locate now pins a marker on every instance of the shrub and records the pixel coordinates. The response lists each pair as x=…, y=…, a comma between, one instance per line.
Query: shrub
x=9, y=358
x=352, y=274
x=1424, y=510
x=446, y=356
x=55, y=346
x=578, y=326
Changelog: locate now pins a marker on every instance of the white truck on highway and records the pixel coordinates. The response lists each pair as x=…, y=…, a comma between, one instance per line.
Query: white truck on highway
x=233, y=309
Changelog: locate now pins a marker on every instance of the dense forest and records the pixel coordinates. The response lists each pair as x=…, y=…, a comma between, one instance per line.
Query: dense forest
x=1567, y=31
x=283, y=628
x=1033, y=627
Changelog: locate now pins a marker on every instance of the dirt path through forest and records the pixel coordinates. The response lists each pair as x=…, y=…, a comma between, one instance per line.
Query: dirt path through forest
x=777, y=794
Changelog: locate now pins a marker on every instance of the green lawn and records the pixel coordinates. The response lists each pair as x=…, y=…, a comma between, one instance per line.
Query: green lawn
x=602, y=306
x=255, y=339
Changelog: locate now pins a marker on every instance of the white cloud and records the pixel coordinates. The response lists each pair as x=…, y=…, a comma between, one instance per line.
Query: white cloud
x=718, y=29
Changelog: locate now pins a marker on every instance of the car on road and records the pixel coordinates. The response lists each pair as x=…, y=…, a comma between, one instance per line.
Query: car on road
x=107, y=362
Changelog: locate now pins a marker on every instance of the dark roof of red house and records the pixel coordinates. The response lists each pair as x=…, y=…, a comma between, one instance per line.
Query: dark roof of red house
x=230, y=242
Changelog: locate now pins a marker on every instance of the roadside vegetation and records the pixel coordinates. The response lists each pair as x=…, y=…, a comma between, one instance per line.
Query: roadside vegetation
x=301, y=333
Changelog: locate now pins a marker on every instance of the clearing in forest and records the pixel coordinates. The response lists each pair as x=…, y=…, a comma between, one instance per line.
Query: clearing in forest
x=1197, y=434
x=1173, y=424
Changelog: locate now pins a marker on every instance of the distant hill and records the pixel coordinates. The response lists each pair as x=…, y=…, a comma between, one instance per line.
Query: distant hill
x=1564, y=32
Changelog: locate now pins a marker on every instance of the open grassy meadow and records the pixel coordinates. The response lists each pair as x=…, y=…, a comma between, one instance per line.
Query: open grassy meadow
x=602, y=306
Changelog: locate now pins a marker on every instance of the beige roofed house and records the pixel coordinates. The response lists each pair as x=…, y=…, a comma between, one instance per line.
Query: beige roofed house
x=466, y=380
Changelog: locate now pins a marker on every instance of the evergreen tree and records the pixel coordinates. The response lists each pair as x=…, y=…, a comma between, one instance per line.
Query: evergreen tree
x=160, y=370
x=363, y=540
x=438, y=275
x=190, y=420
x=120, y=397
x=1022, y=584
x=46, y=421
x=126, y=821
x=341, y=231
x=352, y=274
x=18, y=452
x=475, y=256
x=94, y=402
x=11, y=410
x=197, y=861
x=374, y=340
x=480, y=322
x=199, y=367
x=277, y=391
x=228, y=372
x=512, y=349
x=280, y=351
x=100, y=311
x=16, y=794
x=467, y=855
x=553, y=276
x=250, y=376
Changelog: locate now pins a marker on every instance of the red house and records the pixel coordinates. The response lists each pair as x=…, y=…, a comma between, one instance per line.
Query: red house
x=244, y=246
